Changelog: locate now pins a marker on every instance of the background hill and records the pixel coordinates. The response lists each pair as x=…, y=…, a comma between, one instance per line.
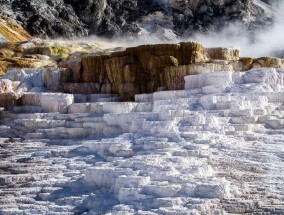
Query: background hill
x=109, y=18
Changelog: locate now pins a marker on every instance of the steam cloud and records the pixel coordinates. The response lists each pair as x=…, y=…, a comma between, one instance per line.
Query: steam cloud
x=264, y=42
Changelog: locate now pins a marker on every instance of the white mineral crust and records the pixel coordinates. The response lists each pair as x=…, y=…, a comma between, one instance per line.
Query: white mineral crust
x=214, y=148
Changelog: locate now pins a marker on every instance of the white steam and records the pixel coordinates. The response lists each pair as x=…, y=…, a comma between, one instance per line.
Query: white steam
x=262, y=43
x=157, y=28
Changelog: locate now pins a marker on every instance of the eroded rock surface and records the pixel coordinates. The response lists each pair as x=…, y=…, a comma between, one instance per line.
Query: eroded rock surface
x=140, y=69
x=83, y=68
x=165, y=19
x=214, y=148
x=12, y=31
x=148, y=68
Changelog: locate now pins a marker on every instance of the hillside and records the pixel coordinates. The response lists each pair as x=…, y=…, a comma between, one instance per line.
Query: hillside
x=109, y=18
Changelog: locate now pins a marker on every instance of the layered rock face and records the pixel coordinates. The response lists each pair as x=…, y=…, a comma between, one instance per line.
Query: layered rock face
x=215, y=147
x=84, y=69
x=12, y=31
x=149, y=68
x=211, y=145
x=167, y=19
x=141, y=69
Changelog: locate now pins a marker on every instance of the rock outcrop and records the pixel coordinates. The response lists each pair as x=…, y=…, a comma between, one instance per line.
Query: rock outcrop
x=148, y=68
x=37, y=53
x=143, y=69
x=166, y=19
x=11, y=31
x=89, y=69
x=44, y=18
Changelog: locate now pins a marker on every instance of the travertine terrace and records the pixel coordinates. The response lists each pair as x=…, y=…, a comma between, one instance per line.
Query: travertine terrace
x=158, y=129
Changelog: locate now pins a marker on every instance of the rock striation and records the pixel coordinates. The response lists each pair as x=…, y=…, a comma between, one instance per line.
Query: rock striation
x=11, y=31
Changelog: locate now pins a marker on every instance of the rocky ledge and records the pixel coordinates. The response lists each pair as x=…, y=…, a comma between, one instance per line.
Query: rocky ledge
x=89, y=68
x=215, y=147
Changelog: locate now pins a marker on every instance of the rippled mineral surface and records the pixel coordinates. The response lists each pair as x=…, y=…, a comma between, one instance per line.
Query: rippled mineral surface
x=214, y=148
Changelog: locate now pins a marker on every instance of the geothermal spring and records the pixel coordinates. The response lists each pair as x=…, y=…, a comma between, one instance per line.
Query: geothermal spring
x=207, y=140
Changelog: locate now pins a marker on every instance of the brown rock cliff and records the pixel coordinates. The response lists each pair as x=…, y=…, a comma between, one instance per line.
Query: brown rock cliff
x=146, y=68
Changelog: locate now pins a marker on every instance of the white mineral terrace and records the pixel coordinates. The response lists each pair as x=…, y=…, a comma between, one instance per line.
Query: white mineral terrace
x=214, y=148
